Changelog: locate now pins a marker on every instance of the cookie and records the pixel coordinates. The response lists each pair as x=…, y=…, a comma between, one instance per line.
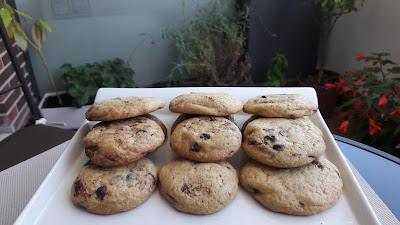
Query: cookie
x=212, y=104
x=198, y=188
x=283, y=143
x=206, y=139
x=183, y=117
x=109, y=190
x=120, y=142
x=281, y=105
x=122, y=108
x=305, y=190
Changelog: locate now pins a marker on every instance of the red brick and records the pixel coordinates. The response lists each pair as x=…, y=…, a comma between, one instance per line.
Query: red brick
x=1, y=64
x=9, y=118
x=14, y=81
x=4, y=96
x=21, y=102
x=6, y=59
x=22, y=118
x=2, y=47
x=6, y=74
x=11, y=101
x=21, y=59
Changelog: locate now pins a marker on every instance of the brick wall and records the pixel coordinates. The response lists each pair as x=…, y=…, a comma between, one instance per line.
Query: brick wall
x=14, y=110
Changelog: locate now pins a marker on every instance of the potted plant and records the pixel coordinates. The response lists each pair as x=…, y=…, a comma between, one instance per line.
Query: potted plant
x=210, y=48
x=329, y=13
x=40, y=31
x=276, y=74
x=82, y=83
x=372, y=102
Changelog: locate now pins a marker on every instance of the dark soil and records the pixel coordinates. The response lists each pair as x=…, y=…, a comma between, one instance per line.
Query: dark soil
x=52, y=101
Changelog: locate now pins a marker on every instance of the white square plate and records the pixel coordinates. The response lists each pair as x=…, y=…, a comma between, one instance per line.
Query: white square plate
x=51, y=204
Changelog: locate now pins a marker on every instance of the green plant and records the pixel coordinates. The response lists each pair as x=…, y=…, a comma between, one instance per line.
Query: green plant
x=329, y=13
x=210, y=47
x=40, y=31
x=373, y=101
x=83, y=81
x=276, y=74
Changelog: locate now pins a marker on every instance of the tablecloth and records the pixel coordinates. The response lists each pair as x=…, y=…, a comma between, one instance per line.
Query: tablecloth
x=20, y=182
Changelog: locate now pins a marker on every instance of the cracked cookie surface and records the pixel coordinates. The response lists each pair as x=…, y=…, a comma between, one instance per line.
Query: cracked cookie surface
x=305, y=190
x=206, y=139
x=120, y=142
x=281, y=105
x=283, y=143
x=109, y=190
x=198, y=188
x=122, y=108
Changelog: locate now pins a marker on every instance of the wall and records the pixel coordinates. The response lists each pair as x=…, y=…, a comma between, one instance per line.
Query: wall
x=96, y=30
x=14, y=110
x=374, y=28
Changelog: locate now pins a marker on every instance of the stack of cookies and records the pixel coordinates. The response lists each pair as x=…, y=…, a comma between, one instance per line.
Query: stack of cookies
x=201, y=182
x=118, y=177
x=288, y=175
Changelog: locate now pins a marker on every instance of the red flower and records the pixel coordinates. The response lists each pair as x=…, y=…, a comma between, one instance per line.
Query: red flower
x=329, y=86
x=374, y=127
x=374, y=63
x=360, y=57
x=395, y=90
x=358, y=105
x=382, y=101
x=343, y=127
x=358, y=81
x=396, y=111
x=343, y=115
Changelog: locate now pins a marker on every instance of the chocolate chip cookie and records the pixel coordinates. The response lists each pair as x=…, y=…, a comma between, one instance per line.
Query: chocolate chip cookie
x=281, y=105
x=109, y=190
x=213, y=104
x=283, y=143
x=305, y=190
x=198, y=188
x=122, y=108
x=206, y=139
x=119, y=142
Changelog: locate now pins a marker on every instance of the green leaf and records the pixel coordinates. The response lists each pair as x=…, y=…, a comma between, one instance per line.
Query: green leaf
x=44, y=25
x=23, y=14
x=6, y=17
x=20, y=40
x=395, y=69
x=36, y=35
x=8, y=8
x=348, y=103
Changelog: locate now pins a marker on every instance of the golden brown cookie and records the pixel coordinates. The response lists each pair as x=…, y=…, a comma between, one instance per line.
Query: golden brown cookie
x=305, y=190
x=281, y=105
x=122, y=108
x=283, y=143
x=120, y=142
x=198, y=188
x=109, y=190
x=213, y=104
x=206, y=139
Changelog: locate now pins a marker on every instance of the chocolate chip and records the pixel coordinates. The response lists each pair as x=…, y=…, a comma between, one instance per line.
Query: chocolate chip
x=228, y=167
x=185, y=189
x=278, y=147
x=101, y=192
x=301, y=204
x=195, y=147
x=92, y=148
x=270, y=138
x=212, y=118
x=131, y=176
x=283, y=133
x=338, y=175
x=253, y=190
x=253, y=143
x=318, y=164
x=263, y=96
x=205, y=136
x=153, y=178
x=77, y=186
x=143, y=131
